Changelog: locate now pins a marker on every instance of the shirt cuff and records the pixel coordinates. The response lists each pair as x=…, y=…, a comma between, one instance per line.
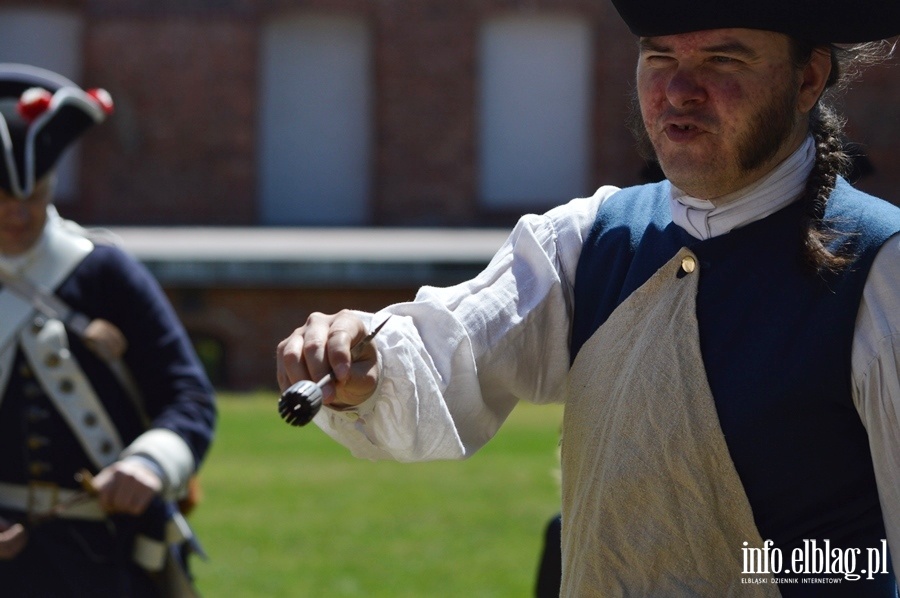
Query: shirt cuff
x=171, y=455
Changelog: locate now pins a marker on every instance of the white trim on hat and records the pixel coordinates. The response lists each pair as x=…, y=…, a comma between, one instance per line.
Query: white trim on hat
x=63, y=97
x=34, y=76
x=9, y=159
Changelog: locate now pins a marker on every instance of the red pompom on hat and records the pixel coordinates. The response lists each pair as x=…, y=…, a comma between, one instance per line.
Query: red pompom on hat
x=33, y=102
x=103, y=99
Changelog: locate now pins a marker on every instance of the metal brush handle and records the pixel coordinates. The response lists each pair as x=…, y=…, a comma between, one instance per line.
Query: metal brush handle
x=300, y=402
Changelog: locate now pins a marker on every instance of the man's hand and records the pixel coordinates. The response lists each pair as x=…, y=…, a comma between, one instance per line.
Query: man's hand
x=126, y=487
x=322, y=346
x=13, y=538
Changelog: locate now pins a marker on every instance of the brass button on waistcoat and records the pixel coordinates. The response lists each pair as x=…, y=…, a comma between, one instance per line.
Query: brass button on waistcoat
x=90, y=420
x=688, y=264
x=66, y=385
x=52, y=360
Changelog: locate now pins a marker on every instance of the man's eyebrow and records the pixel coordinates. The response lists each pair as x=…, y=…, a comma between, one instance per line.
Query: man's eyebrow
x=734, y=48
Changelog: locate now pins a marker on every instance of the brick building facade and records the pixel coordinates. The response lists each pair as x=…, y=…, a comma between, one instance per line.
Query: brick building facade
x=193, y=82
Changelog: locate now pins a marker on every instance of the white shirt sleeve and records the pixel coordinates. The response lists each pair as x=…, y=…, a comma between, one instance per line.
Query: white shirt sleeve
x=876, y=378
x=455, y=361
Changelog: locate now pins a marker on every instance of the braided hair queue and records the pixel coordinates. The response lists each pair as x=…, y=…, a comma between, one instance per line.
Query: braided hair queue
x=832, y=161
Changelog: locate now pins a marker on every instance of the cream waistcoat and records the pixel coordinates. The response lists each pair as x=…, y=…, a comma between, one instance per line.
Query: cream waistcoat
x=652, y=504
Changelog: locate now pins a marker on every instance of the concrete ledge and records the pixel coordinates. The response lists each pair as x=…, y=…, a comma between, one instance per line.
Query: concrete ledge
x=310, y=257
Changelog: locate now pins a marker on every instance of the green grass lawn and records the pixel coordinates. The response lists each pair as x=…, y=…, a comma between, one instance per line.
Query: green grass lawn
x=288, y=512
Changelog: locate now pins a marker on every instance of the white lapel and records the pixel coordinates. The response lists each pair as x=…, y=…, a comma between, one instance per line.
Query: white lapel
x=59, y=252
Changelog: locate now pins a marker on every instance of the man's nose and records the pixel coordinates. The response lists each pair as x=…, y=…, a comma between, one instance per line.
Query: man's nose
x=685, y=88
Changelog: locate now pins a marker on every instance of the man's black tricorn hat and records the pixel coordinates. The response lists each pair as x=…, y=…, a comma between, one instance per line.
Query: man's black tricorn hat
x=819, y=21
x=41, y=114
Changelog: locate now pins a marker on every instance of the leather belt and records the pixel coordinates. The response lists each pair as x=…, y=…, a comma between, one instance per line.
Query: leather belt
x=39, y=499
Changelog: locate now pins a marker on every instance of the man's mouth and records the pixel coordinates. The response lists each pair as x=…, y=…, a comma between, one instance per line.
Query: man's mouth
x=682, y=132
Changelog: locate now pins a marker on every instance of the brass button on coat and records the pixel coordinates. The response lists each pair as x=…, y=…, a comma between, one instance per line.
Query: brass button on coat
x=39, y=468
x=31, y=390
x=688, y=264
x=35, y=442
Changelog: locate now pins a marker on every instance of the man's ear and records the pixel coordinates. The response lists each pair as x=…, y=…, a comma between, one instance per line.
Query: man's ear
x=814, y=77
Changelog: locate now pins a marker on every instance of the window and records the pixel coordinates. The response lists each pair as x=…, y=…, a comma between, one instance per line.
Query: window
x=49, y=39
x=315, y=122
x=535, y=90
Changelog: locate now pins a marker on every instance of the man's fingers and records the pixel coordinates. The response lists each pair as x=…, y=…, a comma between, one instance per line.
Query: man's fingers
x=315, y=340
x=323, y=346
x=121, y=497
x=360, y=383
x=12, y=541
x=345, y=332
x=126, y=487
x=290, y=366
x=318, y=348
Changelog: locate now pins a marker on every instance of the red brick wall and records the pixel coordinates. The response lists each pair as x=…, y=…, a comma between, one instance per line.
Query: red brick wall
x=425, y=70
x=181, y=146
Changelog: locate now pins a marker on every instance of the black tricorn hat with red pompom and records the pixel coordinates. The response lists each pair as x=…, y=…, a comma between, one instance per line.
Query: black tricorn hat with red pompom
x=41, y=114
x=819, y=21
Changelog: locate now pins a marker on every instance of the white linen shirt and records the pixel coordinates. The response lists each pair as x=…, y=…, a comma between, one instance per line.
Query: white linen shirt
x=455, y=361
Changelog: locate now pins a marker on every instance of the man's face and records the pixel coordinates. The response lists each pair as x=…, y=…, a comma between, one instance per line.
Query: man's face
x=720, y=107
x=22, y=221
